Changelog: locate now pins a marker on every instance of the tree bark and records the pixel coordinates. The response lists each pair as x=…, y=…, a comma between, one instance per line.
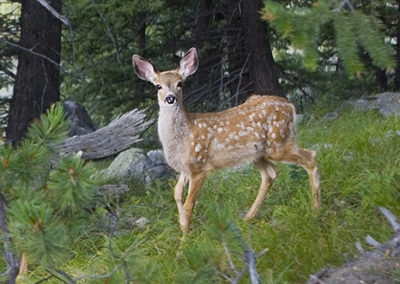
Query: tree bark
x=397, y=71
x=249, y=52
x=38, y=77
x=262, y=66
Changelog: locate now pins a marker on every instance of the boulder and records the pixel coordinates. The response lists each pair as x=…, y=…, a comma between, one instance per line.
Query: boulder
x=386, y=103
x=134, y=163
x=81, y=123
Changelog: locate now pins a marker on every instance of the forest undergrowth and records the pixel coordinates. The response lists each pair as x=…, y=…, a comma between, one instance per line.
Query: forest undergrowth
x=359, y=162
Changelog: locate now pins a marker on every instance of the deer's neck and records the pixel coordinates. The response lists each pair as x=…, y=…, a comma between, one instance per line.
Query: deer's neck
x=173, y=130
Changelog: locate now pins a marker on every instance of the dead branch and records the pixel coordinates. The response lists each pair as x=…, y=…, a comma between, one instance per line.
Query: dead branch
x=31, y=51
x=117, y=136
x=62, y=18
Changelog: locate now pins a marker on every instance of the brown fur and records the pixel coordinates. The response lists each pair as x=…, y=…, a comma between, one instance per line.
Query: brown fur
x=261, y=130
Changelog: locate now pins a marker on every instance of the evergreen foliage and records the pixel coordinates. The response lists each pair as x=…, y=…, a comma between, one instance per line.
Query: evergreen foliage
x=355, y=33
x=48, y=196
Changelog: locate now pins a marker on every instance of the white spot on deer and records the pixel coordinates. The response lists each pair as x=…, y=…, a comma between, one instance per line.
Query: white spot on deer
x=220, y=146
x=200, y=125
x=195, y=122
x=203, y=137
x=227, y=123
x=273, y=136
x=215, y=126
x=243, y=133
x=227, y=140
x=221, y=123
x=204, y=125
x=263, y=136
x=192, y=143
x=237, y=138
x=250, y=128
x=257, y=135
x=197, y=148
x=276, y=108
x=199, y=158
x=254, y=124
x=219, y=130
x=232, y=134
x=191, y=135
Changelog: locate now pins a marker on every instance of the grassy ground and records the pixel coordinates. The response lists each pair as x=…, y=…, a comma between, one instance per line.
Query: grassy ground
x=359, y=161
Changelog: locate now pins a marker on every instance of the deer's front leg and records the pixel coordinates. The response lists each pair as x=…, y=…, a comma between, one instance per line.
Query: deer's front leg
x=178, y=194
x=195, y=184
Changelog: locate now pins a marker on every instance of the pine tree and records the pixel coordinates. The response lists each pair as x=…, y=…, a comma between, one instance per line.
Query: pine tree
x=355, y=33
x=47, y=194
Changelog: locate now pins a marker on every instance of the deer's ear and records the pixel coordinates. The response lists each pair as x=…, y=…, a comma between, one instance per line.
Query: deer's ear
x=189, y=63
x=144, y=69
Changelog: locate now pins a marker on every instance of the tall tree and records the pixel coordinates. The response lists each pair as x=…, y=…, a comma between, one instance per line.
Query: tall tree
x=397, y=74
x=38, y=75
x=250, y=51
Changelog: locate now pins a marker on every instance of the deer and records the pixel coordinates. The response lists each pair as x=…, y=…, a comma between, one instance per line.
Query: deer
x=261, y=130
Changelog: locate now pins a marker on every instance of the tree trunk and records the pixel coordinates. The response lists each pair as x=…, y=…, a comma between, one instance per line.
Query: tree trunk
x=249, y=52
x=397, y=72
x=38, y=78
x=381, y=79
x=261, y=63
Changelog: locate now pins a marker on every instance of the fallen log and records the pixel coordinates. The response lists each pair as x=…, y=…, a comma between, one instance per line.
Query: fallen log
x=119, y=135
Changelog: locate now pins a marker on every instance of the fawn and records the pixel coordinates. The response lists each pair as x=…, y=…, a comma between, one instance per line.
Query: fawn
x=261, y=130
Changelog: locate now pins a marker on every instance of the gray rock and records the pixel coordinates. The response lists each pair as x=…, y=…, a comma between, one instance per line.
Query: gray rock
x=81, y=123
x=113, y=189
x=156, y=157
x=299, y=118
x=134, y=163
x=330, y=116
x=386, y=103
x=157, y=172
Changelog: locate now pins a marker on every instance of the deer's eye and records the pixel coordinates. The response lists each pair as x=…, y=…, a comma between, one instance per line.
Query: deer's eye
x=158, y=86
x=179, y=84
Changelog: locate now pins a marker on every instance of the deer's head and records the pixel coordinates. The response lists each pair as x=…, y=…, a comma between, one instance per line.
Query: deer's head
x=168, y=83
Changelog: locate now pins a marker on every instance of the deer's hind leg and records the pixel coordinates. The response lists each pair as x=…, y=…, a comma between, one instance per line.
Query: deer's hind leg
x=307, y=159
x=268, y=173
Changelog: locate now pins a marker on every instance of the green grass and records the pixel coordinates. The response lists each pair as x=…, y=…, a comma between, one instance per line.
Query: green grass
x=359, y=162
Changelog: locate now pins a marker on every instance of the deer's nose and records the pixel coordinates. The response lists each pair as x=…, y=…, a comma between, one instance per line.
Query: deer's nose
x=170, y=99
